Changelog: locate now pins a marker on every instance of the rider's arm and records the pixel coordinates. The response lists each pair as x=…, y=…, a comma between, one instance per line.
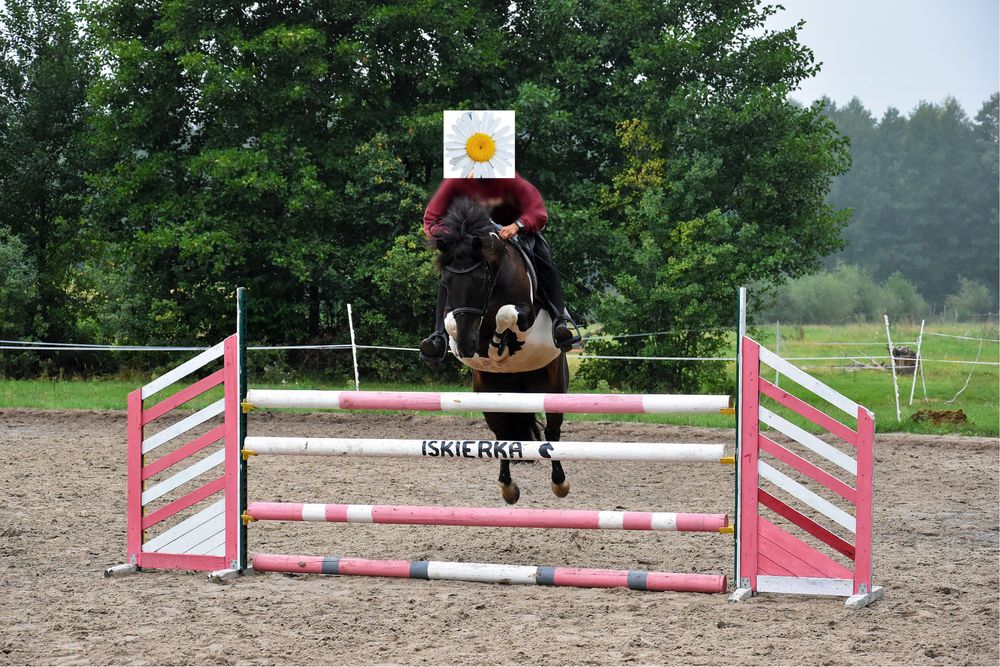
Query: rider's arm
x=529, y=201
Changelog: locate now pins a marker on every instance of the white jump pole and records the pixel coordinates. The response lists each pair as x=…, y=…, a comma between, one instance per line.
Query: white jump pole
x=487, y=449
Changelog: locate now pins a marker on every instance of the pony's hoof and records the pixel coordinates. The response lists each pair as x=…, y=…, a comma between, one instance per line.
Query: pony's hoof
x=561, y=490
x=510, y=493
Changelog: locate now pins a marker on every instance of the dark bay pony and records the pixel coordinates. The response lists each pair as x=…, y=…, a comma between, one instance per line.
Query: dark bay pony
x=498, y=327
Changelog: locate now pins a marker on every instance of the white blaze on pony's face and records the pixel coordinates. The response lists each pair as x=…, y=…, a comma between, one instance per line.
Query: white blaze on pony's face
x=468, y=291
x=450, y=325
x=463, y=332
x=478, y=144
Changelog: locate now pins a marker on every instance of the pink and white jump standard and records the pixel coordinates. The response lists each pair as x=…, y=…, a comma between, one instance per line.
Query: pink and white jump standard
x=206, y=530
x=174, y=526
x=770, y=558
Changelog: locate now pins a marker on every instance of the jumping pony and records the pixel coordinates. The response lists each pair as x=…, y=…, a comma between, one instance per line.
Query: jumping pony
x=497, y=326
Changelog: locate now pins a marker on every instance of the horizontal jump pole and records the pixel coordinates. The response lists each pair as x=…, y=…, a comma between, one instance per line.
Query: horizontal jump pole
x=488, y=402
x=493, y=573
x=487, y=449
x=492, y=517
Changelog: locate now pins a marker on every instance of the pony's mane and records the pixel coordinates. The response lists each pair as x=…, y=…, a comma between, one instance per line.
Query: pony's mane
x=453, y=236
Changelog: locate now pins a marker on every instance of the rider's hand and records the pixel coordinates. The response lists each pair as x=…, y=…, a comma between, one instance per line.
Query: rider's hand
x=508, y=232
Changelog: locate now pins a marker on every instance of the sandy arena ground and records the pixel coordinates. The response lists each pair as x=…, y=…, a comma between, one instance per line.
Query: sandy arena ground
x=62, y=521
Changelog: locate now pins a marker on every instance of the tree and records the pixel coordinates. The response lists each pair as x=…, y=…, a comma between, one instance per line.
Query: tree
x=291, y=148
x=985, y=258
x=972, y=300
x=229, y=157
x=45, y=67
x=723, y=184
x=923, y=191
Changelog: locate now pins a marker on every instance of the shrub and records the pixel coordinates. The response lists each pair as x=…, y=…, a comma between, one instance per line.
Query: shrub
x=834, y=296
x=899, y=299
x=847, y=293
x=18, y=278
x=972, y=300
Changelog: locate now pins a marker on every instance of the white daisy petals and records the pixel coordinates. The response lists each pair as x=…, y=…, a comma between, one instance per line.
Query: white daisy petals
x=478, y=144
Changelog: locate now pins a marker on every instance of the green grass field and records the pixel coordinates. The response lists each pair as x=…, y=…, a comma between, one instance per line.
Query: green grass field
x=869, y=381
x=860, y=372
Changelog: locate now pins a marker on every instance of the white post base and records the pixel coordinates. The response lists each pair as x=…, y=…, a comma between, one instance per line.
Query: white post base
x=222, y=576
x=117, y=570
x=859, y=601
x=741, y=594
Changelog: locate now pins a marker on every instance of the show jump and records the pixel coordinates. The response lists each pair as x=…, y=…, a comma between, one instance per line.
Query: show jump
x=205, y=526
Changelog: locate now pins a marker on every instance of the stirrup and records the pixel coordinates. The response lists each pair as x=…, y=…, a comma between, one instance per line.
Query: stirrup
x=434, y=348
x=565, y=333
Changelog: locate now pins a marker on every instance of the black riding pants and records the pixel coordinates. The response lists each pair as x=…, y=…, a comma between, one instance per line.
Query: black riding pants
x=548, y=276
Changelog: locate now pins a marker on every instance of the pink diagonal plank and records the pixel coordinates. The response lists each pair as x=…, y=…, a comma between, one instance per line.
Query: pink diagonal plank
x=807, y=468
x=797, y=553
x=832, y=540
x=802, y=408
x=183, y=396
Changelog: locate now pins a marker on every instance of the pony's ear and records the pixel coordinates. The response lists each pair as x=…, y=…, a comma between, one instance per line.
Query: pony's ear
x=477, y=243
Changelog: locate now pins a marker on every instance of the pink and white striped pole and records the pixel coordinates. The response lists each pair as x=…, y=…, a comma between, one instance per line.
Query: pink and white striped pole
x=488, y=401
x=493, y=573
x=488, y=517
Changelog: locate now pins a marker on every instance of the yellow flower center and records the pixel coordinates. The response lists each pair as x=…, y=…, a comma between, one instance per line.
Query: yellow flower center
x=480, y=147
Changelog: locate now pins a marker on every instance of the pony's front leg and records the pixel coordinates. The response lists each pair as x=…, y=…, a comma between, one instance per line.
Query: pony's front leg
x=515, y=318
x=512, y=322
x=508, y=489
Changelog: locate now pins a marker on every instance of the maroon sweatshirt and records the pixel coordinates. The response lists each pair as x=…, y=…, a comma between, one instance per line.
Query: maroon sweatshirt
x=517, y=192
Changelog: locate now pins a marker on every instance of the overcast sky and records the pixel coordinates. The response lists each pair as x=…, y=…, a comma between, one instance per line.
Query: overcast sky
x=899, y=52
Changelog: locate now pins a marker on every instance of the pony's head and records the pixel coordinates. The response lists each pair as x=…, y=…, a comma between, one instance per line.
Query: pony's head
x=462, y=233
x=469, y=252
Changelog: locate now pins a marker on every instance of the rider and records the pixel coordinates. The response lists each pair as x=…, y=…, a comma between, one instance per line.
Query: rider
x=517, y=195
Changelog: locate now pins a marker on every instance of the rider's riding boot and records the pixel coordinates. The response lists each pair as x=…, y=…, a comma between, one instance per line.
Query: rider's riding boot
x=562, y=335
x=434, y=348
x=565, y=333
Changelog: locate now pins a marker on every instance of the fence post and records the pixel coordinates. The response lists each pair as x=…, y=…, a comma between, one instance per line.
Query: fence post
x=919, y=366
x=892, y=359
x=354, y=349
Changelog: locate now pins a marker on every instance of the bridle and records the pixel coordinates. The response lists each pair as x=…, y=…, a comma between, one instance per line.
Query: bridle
x=488, y=287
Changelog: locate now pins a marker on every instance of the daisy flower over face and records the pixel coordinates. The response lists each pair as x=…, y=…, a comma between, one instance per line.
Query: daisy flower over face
x=479, y=144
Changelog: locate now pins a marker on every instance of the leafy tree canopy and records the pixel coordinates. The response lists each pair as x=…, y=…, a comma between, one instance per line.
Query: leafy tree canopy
x=923, y=190
x=45, y=68
x=291, y=147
